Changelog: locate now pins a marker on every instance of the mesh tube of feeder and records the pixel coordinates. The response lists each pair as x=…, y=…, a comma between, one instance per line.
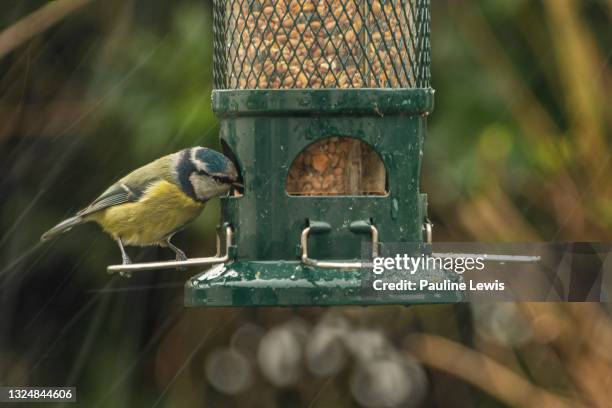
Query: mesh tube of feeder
x=302, y=44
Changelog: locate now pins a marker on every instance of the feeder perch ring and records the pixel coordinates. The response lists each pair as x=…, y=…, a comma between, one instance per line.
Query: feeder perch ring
x=428, y=227
x=335, y=264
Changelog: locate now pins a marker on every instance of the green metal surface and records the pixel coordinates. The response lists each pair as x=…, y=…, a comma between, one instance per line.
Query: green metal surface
x=265, y=140
x=292, y=284
x=265, y=130
x=378, y=102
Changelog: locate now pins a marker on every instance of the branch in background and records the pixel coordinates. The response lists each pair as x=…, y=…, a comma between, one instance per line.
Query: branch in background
x=481, y=371
x=37, y=22
x=580, y=68
x=540, y=129
x=532, y=117
x=493, y=216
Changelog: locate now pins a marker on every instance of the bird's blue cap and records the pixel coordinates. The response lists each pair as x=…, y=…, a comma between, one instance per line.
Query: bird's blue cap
x=215, y=163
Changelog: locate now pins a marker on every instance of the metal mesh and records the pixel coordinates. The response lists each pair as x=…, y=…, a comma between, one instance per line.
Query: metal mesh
x=280, y=44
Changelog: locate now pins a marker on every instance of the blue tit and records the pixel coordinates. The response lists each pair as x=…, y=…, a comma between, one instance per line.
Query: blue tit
x=152, y=203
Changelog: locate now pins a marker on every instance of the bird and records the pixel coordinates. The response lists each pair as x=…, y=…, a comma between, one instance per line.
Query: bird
x=152, y=203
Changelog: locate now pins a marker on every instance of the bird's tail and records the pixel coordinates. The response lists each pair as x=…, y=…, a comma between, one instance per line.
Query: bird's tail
x=62, y=227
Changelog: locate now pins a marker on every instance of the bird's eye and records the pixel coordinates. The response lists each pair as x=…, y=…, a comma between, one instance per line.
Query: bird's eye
x=223, y=179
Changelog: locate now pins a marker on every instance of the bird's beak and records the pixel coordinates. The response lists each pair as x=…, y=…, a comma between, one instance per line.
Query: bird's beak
x=239, y=185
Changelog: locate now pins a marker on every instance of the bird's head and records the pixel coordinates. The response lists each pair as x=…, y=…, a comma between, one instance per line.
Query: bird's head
x=205, y=173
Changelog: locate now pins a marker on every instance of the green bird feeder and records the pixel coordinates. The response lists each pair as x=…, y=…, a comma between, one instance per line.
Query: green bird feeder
x=323, y=106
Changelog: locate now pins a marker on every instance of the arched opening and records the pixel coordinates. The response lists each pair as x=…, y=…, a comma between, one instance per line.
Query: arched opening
x=337, y=165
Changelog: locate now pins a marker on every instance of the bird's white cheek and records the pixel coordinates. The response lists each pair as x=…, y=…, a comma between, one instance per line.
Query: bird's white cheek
x=206, y=188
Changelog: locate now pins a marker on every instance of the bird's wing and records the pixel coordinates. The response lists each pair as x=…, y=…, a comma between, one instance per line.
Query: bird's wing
x=118, y=193
x=131, y=187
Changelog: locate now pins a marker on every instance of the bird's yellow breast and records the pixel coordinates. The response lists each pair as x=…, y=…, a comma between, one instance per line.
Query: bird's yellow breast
x=161, y=211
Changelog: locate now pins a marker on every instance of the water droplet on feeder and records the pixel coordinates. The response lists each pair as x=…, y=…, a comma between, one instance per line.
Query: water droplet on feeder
x=394, y=208
x=214, y=272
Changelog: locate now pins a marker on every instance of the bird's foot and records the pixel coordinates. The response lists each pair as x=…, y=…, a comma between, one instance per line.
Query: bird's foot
x=180, y=256
x=126, y=261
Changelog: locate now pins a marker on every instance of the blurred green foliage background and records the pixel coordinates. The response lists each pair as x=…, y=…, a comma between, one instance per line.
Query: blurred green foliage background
x=518, y=150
